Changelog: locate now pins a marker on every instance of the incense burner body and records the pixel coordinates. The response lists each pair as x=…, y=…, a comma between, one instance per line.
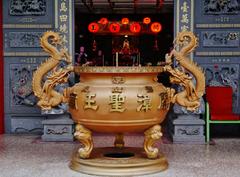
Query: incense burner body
x=118, y=99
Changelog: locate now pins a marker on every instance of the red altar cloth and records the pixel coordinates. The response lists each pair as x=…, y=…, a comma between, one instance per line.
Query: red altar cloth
x=220, y=102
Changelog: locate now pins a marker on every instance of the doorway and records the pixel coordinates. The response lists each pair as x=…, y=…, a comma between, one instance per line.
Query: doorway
x=145, y=46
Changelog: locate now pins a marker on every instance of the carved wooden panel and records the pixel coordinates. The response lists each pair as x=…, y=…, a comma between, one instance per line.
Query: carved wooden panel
x=187, y=130
x=220, y=38
x=24, y=39
x=221, y=7
x=27, y=7
x=28, y=12
x=217, y=11
x=218, y=42
x=18, y=72
x=21, y=84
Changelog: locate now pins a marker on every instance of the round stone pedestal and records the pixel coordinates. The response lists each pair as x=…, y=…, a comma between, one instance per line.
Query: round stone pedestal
x=118, y=162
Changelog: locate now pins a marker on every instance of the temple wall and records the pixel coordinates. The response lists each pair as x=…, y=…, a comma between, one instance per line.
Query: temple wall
x=23, y=23
x=217, y=27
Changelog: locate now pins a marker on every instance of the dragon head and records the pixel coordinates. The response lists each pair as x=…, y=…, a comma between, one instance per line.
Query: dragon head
x=56, y=40
x=186, y=41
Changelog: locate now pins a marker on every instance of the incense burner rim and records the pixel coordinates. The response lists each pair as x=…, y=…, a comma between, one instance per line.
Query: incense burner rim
x=119, y=69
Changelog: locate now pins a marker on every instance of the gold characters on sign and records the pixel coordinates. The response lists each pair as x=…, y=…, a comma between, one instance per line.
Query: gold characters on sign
x=117, y=100
x=185, y=16
x=117, y=90
x=90, y=103
x=63, y=18
x=163, y=101
x=145, y=103
x=185, y=7
x=63, y=28
x=63, y=7
x=63, y=22
x=64, y=39
x=118, y=80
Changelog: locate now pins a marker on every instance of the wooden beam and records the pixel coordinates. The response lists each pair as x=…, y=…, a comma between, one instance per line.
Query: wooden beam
x=86, y=5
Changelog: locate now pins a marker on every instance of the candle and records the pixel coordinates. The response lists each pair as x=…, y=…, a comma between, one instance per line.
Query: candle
x=116, y=59
x=139, y=58
x=113, y=59
x=135, y=61
x=103, y=59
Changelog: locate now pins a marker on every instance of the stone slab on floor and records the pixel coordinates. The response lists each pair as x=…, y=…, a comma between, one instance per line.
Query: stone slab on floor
x=22, y=156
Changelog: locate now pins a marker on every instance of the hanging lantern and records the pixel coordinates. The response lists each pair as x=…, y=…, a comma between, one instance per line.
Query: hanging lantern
x=93, y=27
x=114, y=27
x=156, y=27
x=135, y=27
x=125, y=21
x=103, y=21
x=147, y=20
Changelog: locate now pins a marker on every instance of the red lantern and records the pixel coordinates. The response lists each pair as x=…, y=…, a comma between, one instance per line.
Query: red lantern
x=103, y=21
x=114, y=27
x=135, y=27
x=93, y=27
x=147, y=20
x=125, y=21
x=156, y=27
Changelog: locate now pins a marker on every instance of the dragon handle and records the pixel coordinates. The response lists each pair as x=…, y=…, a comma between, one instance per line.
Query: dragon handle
x=45, y=91
x=185, y=43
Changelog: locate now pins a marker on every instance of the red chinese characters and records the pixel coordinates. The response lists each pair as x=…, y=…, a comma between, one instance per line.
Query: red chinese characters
x=93, y=27
x=156, y=27
x=125, y=21
x=135, y=27
x=147, y=20
x=103, y=21
x=114, y=27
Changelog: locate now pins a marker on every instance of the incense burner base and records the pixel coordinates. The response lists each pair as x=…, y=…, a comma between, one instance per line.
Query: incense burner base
x=110, y=161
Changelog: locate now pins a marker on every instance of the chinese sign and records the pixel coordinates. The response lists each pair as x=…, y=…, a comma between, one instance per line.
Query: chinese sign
x=90, y=103
x=117, y=100
x=64, y=23
x=184, y=15
x=144, y=103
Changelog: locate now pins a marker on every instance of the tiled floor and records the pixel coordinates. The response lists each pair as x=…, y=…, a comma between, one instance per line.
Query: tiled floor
x=27, y=156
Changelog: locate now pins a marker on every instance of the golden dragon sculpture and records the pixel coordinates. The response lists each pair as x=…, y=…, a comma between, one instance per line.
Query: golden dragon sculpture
x=185, y=43
x=48, y=97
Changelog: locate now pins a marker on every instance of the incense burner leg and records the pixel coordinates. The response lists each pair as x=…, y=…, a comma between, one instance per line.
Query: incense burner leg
x=84, y=135
x=151, y=135
x=119, y=140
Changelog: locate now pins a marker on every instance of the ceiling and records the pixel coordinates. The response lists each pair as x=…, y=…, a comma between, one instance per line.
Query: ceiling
x=124, y=6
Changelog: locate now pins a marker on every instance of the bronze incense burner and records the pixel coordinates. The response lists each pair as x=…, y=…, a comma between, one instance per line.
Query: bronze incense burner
x=119, y=100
